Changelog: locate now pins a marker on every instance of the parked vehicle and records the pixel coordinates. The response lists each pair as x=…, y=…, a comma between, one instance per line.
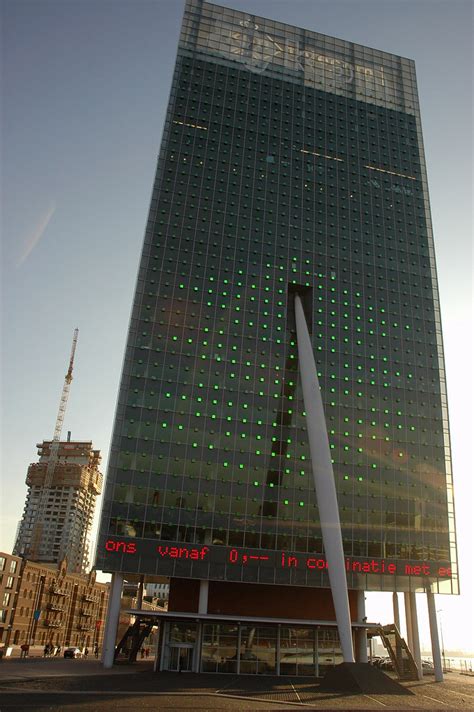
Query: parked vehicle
x=377, y=660
x=72, y=653
x=386, y=664
x=427, y=667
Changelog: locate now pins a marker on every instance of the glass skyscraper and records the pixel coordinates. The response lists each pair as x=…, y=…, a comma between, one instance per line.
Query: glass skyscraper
x=291, y=163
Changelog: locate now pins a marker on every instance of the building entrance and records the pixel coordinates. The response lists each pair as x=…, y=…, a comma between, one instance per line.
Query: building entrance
x=179, y=647
x=181, y=658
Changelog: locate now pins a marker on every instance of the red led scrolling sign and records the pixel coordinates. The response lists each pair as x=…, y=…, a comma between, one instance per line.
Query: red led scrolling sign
x=279, y=559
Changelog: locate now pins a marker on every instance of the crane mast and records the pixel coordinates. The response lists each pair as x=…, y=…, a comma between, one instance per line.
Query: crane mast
x=65, y=391
x=36, y=537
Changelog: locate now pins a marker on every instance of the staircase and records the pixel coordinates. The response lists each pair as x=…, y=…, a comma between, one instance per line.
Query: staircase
x=399, y=652
x=132, y=640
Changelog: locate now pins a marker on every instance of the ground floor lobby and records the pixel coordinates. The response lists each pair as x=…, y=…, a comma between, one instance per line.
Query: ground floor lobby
x=245, y=647
x=243, y=629
x=221, y=627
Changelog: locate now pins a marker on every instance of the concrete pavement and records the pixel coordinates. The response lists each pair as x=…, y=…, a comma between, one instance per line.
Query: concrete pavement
x=39, y=668
x=54, y=683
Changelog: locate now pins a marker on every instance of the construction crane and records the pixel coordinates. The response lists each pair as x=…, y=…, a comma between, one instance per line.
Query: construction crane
x=37, y=533
x=65, y=392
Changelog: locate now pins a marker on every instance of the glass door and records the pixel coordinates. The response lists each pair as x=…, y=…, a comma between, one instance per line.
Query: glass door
x=181, y=658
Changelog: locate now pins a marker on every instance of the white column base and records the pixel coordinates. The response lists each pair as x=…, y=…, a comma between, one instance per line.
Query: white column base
x=361, y=633
x=416, y=636
x=435, y=648
x=111, y=623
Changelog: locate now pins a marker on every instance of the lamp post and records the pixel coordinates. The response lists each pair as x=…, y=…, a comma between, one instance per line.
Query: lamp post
x=440, y=610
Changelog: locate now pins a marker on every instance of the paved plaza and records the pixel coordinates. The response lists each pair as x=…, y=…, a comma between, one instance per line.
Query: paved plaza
x=57, y=684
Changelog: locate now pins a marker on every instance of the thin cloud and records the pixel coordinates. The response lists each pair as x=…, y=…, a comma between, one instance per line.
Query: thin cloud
x=37, y=233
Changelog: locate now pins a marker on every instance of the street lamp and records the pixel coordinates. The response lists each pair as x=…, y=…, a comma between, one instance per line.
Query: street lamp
x=440, y=610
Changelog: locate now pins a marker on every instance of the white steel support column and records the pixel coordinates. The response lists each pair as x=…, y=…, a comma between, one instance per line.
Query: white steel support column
x=435, y=649
x=196, y=662
x=164, y=647
x=203, y=596
x=406, y=597
x=416, y=636
x=157, y=646
x=111, y=623
x=239, y=644
x=361, y=633
x=316, y=651
x=396, y=610
x=140, y=587
x=396, y=620
x=323, y=476
x=278, y=650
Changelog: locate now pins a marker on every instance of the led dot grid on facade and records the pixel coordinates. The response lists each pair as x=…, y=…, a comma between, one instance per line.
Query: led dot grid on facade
x=290, y=163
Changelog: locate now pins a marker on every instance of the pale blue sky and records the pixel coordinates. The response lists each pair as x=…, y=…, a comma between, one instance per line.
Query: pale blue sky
x=85, y=89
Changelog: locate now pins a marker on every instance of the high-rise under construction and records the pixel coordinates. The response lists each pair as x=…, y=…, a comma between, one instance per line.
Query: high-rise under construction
x=68, y=505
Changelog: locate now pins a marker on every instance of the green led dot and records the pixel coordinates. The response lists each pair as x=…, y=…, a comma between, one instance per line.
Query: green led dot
x=301, y=504
x=256, y=483
x=285, y=501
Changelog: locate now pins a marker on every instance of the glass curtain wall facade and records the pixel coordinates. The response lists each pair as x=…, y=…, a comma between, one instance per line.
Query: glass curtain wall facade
x=290, y=162
x=249, y=650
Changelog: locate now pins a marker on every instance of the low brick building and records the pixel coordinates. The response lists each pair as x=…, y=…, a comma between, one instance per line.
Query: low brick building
x=42, y=603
